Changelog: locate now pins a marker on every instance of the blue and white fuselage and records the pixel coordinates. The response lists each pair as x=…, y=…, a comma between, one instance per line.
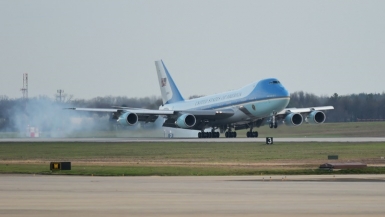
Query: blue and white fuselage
x=254, y=101
x=248, y=107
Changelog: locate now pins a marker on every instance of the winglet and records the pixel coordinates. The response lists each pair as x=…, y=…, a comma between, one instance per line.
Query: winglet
x=170, y=93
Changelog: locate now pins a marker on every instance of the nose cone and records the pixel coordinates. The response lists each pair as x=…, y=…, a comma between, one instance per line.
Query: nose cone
x=275, y=88
x=284, y=92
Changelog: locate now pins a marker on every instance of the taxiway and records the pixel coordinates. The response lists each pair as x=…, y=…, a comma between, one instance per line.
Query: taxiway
x=43, y=196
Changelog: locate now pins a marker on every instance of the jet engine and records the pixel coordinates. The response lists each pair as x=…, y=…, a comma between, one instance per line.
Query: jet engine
x=293, y=119
x=316, y=117
x=186, y=121
x=128, y=119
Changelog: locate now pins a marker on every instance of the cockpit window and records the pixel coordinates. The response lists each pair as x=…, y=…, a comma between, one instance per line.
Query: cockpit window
x=274, y=82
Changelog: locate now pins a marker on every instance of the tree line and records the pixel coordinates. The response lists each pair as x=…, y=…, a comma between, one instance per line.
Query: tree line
x=348, y=108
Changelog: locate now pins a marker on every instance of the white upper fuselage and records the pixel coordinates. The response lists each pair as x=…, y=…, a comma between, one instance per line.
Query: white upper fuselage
x=256, y=100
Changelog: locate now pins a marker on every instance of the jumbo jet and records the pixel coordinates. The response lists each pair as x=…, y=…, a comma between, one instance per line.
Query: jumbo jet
x=259, y=103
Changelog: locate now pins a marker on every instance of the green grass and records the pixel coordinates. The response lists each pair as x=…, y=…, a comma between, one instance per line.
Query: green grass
x=184, y=158
x=172, y=171
x=189, y=152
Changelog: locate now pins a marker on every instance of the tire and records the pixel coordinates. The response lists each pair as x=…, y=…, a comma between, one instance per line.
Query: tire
x=255, y=134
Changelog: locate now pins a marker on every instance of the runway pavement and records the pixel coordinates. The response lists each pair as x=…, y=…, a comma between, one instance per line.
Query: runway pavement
x=260, y=140
x=46, y=196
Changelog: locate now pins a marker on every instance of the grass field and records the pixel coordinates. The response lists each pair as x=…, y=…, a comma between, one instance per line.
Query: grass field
x=187, y=158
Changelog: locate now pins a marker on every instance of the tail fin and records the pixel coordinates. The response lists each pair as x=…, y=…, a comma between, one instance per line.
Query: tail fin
x=170, y=93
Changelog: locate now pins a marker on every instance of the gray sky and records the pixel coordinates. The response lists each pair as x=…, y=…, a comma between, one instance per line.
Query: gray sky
x=100, y=48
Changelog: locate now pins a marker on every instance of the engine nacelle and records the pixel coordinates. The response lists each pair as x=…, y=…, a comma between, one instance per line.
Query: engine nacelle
x=293, y=119
x=186, y=121
x=128, y=119
x=316, y=117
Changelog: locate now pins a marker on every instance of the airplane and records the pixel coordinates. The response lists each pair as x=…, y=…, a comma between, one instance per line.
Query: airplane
x=252, y=106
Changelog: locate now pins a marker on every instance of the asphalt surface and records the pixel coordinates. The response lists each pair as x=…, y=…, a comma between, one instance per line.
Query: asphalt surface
x=262, y=140
x=43, y=196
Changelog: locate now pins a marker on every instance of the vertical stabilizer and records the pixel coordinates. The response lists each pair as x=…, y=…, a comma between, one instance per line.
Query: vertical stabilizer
x=170, y=93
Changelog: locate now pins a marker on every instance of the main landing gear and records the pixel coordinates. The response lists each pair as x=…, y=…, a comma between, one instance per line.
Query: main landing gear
x=211, y=134
x=231, y=134
x=251, y=134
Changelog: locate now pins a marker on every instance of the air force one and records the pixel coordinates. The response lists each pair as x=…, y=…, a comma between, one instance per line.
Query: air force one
x=259, y=103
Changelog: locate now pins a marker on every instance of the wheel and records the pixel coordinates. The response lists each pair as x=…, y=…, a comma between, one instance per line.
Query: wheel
x=199, y=135
x=271, y=125
x=210, y=135
x=275, y=125
x=231, y=134
x=218, y=135
x=248, y=134
x=255, y=134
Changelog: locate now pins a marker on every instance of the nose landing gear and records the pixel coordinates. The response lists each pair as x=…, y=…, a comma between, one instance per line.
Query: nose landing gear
x=273, y=122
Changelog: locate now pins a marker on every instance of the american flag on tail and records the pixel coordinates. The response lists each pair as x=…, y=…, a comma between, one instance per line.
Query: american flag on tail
x=163, y=82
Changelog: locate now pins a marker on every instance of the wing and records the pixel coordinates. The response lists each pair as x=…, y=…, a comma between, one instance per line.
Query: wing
x=196, y=119
x=189, y=119
x=295, y=116
x=132, y=110
x=304, y=110
x=123, y=114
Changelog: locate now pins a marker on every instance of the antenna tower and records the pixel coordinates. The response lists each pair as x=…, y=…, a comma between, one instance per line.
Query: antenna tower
x=60, y=93
x=24, y=90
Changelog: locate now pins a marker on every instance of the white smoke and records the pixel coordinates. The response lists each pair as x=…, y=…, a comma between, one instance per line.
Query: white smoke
x=53, y=120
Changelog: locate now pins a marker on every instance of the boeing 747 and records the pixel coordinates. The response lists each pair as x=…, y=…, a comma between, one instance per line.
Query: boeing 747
x=254, y=105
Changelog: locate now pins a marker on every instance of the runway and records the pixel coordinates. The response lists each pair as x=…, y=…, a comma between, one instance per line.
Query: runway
x=46, y=196
x=231, y=140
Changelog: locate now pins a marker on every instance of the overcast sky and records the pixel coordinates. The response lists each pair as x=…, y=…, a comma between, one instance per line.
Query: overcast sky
x=99, y=48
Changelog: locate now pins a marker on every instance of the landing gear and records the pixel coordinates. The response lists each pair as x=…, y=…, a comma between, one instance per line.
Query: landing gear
x=230, y=134
x=273, y=122
x=216, y=134
x=252, y=134
x=273, y=125
x=211, y=134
